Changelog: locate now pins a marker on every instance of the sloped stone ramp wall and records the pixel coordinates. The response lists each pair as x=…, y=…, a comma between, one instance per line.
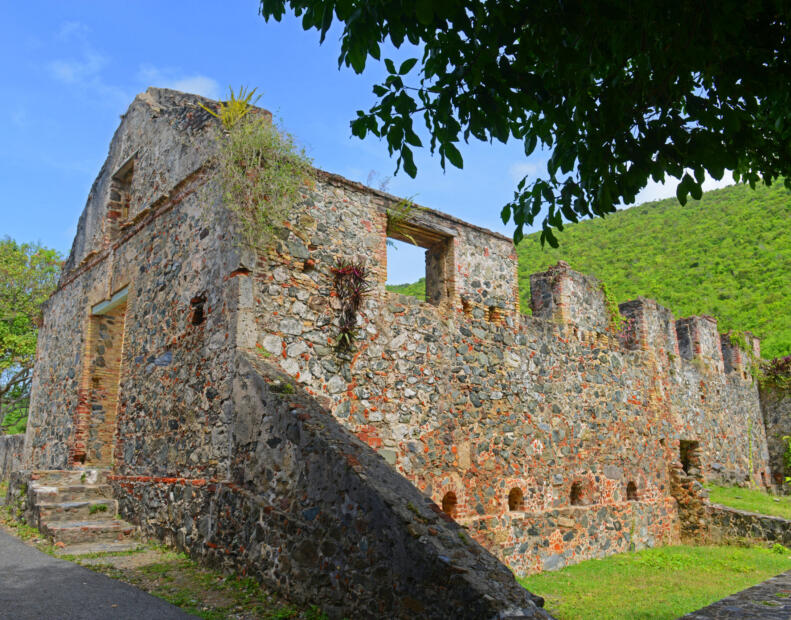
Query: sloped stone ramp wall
x=316, y=513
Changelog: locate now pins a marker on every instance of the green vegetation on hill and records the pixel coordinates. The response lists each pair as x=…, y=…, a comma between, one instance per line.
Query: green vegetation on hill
x=416, y=289
x=727, y=255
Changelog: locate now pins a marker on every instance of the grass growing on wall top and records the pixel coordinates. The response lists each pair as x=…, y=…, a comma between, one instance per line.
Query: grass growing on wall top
x=261, y=170
x=752, y=500
x=666, y=582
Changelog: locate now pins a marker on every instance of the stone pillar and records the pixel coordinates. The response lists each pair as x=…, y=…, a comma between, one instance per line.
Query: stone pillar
x=563, y=295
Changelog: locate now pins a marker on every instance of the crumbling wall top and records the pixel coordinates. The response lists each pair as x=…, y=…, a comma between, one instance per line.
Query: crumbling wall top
x=163, y=138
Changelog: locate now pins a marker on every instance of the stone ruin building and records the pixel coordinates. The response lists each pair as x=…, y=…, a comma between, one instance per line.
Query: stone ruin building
x=198, y=383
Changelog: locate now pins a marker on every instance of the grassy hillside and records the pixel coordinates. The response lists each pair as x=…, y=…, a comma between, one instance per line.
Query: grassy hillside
x=728, y=255
x=416, y=289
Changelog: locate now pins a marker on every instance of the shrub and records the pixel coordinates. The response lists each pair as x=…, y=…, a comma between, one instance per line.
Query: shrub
x=261, y=170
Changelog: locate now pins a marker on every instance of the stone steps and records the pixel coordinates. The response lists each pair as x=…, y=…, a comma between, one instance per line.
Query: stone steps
x=60, y=477
x=76, y=508
x=98, y=547
x=88, y=531
x=90, y=509
x=70, y=493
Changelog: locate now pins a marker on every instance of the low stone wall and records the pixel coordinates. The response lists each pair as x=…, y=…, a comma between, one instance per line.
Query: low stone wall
x=727, y=523
x=533, y=542
x=10, y=454
x=315, y=512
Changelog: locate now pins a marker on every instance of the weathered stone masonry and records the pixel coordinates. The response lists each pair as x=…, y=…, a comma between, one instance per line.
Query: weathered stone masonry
x=10, y=455
x=237, y=429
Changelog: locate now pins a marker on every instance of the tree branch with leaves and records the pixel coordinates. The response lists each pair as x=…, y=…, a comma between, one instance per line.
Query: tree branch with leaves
x=617, y=93
x=28, y=275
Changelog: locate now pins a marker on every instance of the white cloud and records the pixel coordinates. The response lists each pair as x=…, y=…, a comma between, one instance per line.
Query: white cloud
x=73, y=30
x=519, y=169
x=171, y=78
x=667, y=189
x=84, y=68
x=78, y=71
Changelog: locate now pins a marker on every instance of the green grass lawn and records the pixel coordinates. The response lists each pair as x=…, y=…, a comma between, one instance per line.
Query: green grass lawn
x=666, y=582
x=752, y=500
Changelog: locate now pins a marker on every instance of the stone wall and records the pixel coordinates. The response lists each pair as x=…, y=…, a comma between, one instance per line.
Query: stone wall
x=776, y=408
x=728, y=524
x=470, y=401
x=11, y=447
x=314, y=512
x=548, y=438
x=174, y=252
x=176, y=452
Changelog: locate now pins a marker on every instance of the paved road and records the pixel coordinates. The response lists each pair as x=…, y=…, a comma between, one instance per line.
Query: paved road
x=770, y=600
x=34, y=585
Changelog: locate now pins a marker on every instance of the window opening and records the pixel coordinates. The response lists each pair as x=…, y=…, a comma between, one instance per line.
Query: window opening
x=631, y=491
x=118, y=206
x=449, y=504
x=689, y=454
x=121, y=188
x=406, y=269
x=197, y=316
x=576, y=494
x=516, y=500
x=406, y=241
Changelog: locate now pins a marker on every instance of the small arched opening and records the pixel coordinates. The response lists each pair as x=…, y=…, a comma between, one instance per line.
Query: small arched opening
x=516, y=500
x=449, y=502
x=575, y=496
x=631, y=491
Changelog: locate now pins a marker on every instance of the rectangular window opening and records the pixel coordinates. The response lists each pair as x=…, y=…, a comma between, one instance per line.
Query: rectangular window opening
x=420, y=263
x=118, y=207
x=689, y=454
x=406, y=269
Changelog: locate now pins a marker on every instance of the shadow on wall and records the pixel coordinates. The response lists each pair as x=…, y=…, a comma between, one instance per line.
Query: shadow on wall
x=315, y=512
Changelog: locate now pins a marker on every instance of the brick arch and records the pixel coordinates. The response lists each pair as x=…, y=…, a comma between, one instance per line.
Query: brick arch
x=516, y=499
x=442, y=495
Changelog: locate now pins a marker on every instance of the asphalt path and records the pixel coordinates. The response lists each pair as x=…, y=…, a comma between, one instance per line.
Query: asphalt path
x=34, y=585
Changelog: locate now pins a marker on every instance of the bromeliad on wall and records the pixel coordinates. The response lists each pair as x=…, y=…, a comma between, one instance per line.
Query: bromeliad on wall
x=351, y=286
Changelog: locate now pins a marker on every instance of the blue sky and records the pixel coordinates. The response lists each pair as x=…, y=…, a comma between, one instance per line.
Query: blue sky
x=72, y=68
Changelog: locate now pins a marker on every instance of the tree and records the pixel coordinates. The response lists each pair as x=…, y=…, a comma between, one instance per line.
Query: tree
x=28, y=274
x=617, y=92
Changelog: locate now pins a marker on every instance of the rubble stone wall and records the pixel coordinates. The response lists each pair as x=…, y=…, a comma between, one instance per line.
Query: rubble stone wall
x=174, y=251
x=776, y=407
x=469, y=398
x=11, y=447
x=314, y=512
x=731, y=524
x=549, y=437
